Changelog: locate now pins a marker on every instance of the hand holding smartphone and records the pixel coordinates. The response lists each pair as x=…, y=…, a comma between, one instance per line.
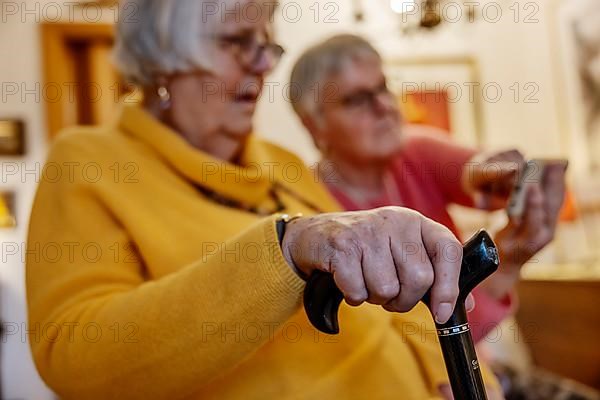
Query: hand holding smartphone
x=533, y=172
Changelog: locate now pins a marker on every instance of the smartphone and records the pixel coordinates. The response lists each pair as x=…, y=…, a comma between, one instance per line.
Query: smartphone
x=532, y=173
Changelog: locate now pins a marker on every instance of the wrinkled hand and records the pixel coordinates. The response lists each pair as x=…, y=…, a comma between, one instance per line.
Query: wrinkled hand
x=492, y=176
x=388, y=256
x=523, y=237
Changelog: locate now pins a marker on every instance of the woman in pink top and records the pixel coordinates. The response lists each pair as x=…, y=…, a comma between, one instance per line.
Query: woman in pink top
x=426, y=176
x=370, y=158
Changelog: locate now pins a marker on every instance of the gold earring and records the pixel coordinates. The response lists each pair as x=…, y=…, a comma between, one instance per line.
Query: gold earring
x=164, y=96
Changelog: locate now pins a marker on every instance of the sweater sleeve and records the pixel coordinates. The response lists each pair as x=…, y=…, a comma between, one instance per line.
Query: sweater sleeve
x=101, y=328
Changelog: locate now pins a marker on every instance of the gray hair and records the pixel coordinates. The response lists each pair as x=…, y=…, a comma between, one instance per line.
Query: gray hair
x=164, y=36
x=321, y=62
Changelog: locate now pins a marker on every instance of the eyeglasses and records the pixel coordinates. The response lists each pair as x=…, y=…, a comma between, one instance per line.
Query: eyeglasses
x=249, y=51
x=367, y=99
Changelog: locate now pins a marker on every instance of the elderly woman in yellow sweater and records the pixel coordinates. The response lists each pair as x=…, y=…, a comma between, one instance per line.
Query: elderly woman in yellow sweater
x=158, y=272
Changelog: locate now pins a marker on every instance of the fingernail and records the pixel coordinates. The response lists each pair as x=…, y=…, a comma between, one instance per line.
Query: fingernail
x=443, y=313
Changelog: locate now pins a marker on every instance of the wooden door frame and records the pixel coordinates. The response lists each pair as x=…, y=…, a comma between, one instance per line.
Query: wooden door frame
x=59, y=70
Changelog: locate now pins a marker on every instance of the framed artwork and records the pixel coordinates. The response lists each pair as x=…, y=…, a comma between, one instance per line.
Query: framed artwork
x=7, y=210
x=575, y=37
x=12, y=137
x=587, y=35
x=441, y=92
x=577, y=62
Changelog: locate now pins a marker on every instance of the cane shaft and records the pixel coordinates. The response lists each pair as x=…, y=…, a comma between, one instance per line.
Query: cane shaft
x=460, y=357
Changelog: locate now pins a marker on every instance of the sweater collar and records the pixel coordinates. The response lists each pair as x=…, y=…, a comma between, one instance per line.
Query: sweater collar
x=247, y=184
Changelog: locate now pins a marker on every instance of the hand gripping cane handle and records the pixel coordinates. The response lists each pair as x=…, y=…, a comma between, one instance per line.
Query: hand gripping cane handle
x=322, y=299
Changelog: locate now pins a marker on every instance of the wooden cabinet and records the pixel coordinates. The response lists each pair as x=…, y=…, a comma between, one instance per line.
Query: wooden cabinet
x=560, y=320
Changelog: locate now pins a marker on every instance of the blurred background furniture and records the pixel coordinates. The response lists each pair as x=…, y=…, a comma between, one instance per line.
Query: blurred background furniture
x=559, y=322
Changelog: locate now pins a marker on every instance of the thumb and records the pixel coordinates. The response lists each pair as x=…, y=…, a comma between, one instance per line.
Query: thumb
x=494, y=173
x=492, y=183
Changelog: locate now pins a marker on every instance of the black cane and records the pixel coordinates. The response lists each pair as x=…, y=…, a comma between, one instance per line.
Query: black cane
x=322, y=299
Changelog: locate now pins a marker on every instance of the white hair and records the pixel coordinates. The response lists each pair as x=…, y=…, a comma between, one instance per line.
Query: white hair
x=164, y=36
x=318, y=64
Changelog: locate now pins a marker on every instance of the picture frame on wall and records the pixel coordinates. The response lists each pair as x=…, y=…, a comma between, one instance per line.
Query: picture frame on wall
x=586, y=34
x=577, y=72
x=440, y=92
x=12, y=137
x=576, y=40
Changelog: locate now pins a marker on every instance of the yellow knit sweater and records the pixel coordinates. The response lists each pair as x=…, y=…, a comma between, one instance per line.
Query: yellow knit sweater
x=141, y=287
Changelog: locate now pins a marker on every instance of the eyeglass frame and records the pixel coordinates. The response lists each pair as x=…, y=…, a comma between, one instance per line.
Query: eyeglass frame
x=370, y=98
x=253, y=47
